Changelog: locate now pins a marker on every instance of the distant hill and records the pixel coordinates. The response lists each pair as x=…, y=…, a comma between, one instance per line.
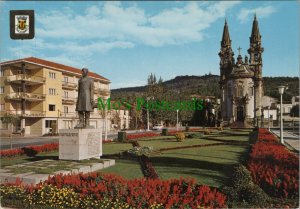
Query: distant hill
x=208, y=85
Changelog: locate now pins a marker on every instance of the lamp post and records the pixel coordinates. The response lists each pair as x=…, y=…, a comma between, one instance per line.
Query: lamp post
x=217, y=112
x=148, y=127
x=105, y=136
x=281, y=90
x=269, y=118
x=177, y=120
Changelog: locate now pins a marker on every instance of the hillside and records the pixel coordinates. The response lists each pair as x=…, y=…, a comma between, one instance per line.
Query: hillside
x=208, y=85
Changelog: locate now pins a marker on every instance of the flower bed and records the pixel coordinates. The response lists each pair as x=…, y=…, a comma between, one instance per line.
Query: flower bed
x=273, y=167
x=85, y=190
x=141, y=135
x=38, y=148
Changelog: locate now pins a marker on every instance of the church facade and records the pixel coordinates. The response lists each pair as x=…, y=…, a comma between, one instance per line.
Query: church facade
x=241, y=79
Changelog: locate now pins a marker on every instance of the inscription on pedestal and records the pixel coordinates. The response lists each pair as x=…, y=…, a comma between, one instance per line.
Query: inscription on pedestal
x=93, y=143
x=80, y=144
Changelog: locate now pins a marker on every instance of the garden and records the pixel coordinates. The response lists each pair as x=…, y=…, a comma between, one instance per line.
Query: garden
x=211, y=168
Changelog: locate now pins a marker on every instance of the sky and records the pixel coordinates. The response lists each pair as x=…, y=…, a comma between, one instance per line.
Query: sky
x=126, y=41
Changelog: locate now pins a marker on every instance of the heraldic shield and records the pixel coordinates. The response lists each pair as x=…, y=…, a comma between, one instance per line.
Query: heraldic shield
x=22, y=24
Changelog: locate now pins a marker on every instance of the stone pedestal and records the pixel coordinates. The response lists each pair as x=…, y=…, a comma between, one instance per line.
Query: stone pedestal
x=79, y=144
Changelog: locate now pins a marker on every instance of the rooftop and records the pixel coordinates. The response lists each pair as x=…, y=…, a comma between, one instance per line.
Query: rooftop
x=54, y=65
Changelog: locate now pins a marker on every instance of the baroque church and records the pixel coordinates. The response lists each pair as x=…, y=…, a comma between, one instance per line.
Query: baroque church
x=241, y=80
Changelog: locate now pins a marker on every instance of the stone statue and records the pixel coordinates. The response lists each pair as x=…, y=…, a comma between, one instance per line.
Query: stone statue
x=85, y=100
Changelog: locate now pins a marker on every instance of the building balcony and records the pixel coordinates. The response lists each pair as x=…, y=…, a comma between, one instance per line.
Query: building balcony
x=26, y=113
x=102, y=91
x=68, y=114
x=68, y=100
x=29, y=79
x=69, y=85
x=26, y=96
x=74, y=115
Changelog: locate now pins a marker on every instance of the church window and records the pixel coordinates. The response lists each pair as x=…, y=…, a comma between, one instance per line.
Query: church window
x=240, y=91
x=250, y=91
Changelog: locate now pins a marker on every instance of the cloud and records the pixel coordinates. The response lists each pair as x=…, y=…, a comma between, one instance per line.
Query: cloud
x=117, y=85
x=99, y=28
x=262, y=12
x=112, y=21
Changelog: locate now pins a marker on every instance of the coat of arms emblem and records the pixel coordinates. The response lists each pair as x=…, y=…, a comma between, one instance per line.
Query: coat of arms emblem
x=22, y=24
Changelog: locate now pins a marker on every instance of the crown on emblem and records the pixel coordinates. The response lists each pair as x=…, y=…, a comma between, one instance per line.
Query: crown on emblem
x=22, y=18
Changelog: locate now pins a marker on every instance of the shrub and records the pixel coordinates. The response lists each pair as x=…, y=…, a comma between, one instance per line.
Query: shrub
x=180, y=136
x=243, y=192
x=164, y=132
x=194, y=135
x=121, y=136
x=206, y=131
x=29, y=151
x=139, y=151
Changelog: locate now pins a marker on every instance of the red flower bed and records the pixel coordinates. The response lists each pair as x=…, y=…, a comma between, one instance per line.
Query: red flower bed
x=142, y=193
x=38, y=148
x=11, y=152
x=194, y=129
x=44, y=147
x=273, y=167
x=141, y=135
x=107, y=141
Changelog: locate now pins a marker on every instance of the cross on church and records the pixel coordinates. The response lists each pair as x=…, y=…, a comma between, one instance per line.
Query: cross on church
x=239, y=50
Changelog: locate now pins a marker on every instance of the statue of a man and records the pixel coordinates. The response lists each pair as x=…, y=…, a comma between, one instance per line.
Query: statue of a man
x=85, y=100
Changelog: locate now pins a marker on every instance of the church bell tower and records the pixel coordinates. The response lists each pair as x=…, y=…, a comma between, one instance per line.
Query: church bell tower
x=255, y=51
x=226, y=61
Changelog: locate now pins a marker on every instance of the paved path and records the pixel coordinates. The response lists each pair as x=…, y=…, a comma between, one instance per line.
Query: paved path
x=289, y=138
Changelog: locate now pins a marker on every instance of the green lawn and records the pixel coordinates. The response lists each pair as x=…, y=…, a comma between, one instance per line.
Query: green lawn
x=208, y=165
x=129, y=169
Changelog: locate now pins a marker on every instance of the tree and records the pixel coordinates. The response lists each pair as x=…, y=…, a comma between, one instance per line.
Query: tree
x=12, y=120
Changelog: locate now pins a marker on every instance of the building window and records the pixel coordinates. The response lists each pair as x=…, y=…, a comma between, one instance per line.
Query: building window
x=52, y=91
x=66, y=109
x=240, y=91
x=49, y=123
x=66, y=79
x=51, y=107
x=51, y=75
x=1, y=72
x=2, y=107
x=2, y=90
x=66, y=94
x=250, y=91
x=19, y=89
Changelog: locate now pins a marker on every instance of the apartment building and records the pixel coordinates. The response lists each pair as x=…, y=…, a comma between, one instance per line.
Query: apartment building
x=44, y=95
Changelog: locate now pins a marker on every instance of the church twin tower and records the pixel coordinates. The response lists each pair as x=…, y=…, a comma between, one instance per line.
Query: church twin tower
x=241, y=80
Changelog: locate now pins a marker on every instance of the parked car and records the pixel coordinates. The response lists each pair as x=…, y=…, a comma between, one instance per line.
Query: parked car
x=158, y=127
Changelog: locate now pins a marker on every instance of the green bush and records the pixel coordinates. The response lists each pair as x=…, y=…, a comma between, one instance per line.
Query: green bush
x=206, y=131
x=29, y=152
x=164, y=132
x=180, y=136
x=122, y=136
x=242, y=192
x=194, y=135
